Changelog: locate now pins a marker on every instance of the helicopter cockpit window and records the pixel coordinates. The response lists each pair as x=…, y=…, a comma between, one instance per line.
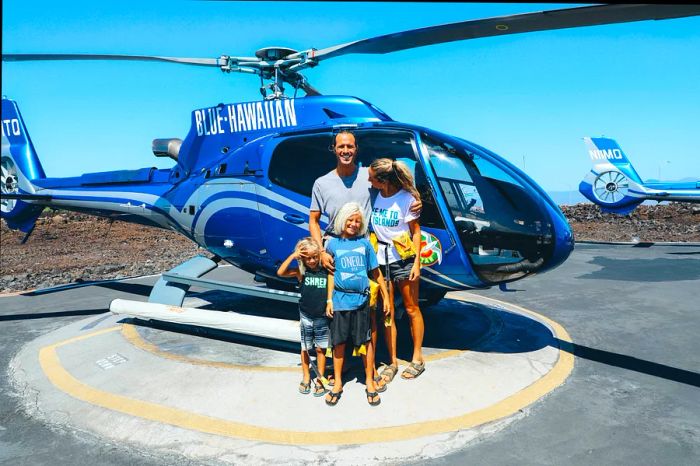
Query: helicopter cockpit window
x=297, y=162
x=502, y=228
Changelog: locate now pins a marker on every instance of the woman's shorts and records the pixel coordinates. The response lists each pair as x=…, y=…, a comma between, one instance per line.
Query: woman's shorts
x=351, y=325
x=401, y=269
x=315, y=331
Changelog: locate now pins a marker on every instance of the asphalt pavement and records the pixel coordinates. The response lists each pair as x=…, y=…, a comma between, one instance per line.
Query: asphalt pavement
x=632, y=314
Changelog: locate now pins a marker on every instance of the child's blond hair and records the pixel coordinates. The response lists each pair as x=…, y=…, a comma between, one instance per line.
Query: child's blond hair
x=305, y=246
x=345, y=212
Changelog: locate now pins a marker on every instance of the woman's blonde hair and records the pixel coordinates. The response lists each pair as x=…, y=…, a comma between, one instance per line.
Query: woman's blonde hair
x=305, y=246
x=345, y=212
x=396, y=173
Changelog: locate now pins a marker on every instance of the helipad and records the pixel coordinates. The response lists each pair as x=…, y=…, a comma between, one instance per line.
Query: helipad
x=225, y=397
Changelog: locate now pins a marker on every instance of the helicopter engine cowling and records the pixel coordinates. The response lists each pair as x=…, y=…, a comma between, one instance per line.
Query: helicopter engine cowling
x=167, y=148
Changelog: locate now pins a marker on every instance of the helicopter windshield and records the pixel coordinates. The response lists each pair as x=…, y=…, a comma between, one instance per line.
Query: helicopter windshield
x=504, y=230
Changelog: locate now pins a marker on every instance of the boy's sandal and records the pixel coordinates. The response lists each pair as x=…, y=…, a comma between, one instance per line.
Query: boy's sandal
x=304, y=388
x=335, y=397
x=371, y=396
x=331, y=380
x=319, y=389
x=380, y=388
x=413, y=371
x=388, y=373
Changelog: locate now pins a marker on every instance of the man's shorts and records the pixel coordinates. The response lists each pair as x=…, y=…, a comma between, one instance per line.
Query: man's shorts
x=401, y=269
x=315, y=331
x=351, y=325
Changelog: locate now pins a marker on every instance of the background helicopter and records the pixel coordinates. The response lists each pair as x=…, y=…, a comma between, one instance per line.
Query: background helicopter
x=615, y=186
x=489, y=223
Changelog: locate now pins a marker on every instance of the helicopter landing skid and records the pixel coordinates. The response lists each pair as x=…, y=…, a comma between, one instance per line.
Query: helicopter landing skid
x=174, y=284
x=168, y=294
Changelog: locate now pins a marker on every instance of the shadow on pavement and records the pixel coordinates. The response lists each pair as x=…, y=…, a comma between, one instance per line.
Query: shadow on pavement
x=133, y=288
x=631, y=363
x=644, y=270
x=452, y=325
x=49, y=315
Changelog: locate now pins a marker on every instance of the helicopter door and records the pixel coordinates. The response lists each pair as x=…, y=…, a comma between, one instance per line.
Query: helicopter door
x=294, y=163
x=224, y=205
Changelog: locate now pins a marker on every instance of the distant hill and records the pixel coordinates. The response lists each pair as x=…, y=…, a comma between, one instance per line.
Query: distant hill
x=688, y=179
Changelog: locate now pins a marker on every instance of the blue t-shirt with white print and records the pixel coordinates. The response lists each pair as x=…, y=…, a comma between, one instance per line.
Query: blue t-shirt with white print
x=354, y=259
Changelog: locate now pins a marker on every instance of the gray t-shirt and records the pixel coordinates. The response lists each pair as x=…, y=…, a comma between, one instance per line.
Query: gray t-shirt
x=331, y=192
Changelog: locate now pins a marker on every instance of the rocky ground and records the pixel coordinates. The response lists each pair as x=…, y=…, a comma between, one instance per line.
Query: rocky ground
x=647, y=223
x=68, y=247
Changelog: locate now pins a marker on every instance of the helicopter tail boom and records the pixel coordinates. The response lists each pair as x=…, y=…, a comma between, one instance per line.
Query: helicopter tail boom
x=20, y=165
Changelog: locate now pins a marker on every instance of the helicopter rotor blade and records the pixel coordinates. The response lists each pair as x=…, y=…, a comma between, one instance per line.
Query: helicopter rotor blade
x=219, y=62
x=309, y=89
x=504, y=25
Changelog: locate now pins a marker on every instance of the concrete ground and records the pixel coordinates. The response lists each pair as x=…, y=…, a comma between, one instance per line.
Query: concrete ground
x=631, y=398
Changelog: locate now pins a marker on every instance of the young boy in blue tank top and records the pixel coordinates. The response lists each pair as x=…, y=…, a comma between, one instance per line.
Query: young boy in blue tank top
x=348, y=296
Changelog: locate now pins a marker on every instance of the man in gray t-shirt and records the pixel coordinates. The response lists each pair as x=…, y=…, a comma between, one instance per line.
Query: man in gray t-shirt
x=346, y=183
x=331, y=192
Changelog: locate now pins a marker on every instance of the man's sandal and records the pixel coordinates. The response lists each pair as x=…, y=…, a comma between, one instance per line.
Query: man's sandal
x=413, y=371
x=380, y=388
x=371, y=396
x=304, y=388
x=335, y=397
x=319, y=389
x=388, y=373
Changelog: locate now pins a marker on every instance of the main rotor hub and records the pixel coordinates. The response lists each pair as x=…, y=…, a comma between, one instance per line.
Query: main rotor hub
x=274, y=53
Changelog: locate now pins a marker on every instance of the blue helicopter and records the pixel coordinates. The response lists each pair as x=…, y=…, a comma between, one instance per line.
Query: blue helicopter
x=241, y=181
x=615, y=186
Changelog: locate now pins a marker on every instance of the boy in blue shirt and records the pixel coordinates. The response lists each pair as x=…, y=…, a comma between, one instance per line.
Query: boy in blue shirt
x=348, y=296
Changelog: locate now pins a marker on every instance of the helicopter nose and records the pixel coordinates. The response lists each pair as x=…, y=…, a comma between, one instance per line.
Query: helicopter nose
x=563, y=239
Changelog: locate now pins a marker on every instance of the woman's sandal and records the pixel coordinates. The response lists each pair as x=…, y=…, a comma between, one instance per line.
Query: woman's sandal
x=304, y=388
x=389, y=372
x=319, y=389
x=371, y=396
x=413, y=370
x=335, y=397
x=380, y=388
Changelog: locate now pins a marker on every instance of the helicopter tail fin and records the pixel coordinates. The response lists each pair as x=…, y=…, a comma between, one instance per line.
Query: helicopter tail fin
x=613, y=183
x=605, y=152
x=20, y=165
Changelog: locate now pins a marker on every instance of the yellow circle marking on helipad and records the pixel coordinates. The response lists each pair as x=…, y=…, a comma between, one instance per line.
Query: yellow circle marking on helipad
x=63, y=380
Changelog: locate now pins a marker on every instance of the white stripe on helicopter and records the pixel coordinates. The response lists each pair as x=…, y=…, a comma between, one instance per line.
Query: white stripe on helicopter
x=224, y=184
x=441, y=285
x=445, y=277
x=225, y=203
x=151, y=199
x=128, y=208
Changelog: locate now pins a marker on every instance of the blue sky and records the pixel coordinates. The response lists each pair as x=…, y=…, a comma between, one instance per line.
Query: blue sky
x=528, y=97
